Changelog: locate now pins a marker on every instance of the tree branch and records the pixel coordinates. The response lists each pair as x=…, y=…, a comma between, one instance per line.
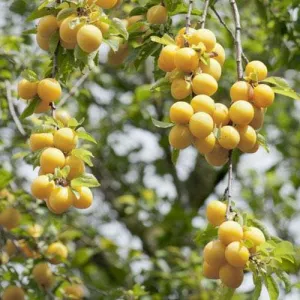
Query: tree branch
x=53, y=74
x=188, y=17
x=204, y=14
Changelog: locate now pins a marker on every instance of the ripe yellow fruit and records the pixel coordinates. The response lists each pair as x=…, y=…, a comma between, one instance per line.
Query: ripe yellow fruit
x=205, y=145
x=247, y=138
x=241, y=90
x=263, y=96
x=211, y=272
x=237, y=255
x=254, y=149
x=180, y=37
x=65, y=139
x=13, y=292
x=104, y=27
x=201, y=125
x=230, y=276
x=204, y=84
x=229, y=232
x=229, y=137
x=61, y=199
x=67, y=33
x=166, y=58
x=57, y=252
x=203, y=103
x=10, y=218
x=76, y=166
x=241, y=112
x=258, y=119
x=207, y=37
x=186, y=60
x=118, y=57
x=47, y=26
x=221, y=54
x=68, y=46
x=218, y=156
x=43, y=43
x=40, y=140
x=106, y=4
x=74, y=291
x=157, y=14
x=27, y=89
x=41, y=187
x=85, y=199
x=180, y=137
x=49, y=90
x=26, y=250
x=216, y=212
x=255, y=236
x=134, y=19
x=43, y=275
x=35, y=230
x=50, y=159
x=221, y=115
x=63, y=116
x=10, y=248
x=180, y=88
x=89, y=38
x=42, y=107
x=257, y=67
x=214, y=253
x=181, y=112
x=213, y=68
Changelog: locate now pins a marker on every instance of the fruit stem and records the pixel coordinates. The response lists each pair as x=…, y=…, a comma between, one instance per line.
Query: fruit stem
x=228, y=190
x=204, y=14
x=188, y=17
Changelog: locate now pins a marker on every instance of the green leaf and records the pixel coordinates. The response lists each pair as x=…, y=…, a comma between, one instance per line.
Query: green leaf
x=82, y=134
x=113, y=44
x=54, y=41
x=29, y=31
x=175, y=155
x=64, y=13
x=138, y=11
x=73, y=123
x=259, y=225
x=44, y=4
x=165, y=40
x=41, y=13
x=29, y=75
x=119, y=26
x=33, y=158
x=225, y=293
x=161, y=124
x=29, y=110
x=162, y=82
x=288, y=93
x=88, y=180
x=284, y=277
x=82, y=256
x=5, y=178
x=62, y=173
x=272, y=287
x=257, y=287
x=43, y=128
x=206, y=235
x=262, y=141
x=84, y=155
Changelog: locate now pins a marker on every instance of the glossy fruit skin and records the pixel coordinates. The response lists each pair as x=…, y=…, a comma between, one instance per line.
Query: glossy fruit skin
x=166, y=58
x=241, y=90
x=61, y=199
x=201, y=125
x=180, y=88
x=49, y=90
x=216, y=212
x=63, y=116
x=106, y=4
x=47, y=26
x=263, y=96
x=258, y=119
x=68, y=46
x=35, y=230
x=248, y=138
x=41, y=187
x=205, y=145
x=180, y=137
x=43, y=43
x=218, y=157
x=221, y=115
x=229, y=232
x=27, y=89
x=229, y=137
x=214, y=69
x=181, y=112
x=118, y=57
x=258, y=67
x=208, y=38
x=40, y=140
x=50, y=159
x=76, y=166
x=241, y=112
x=10, y=218
x=85, y=198
x=57, y=252
x=13, y=292
x=42, y=107
x=230, y=276
x=65, y=139
x=214, y=253
x=211, y=272
x=186, y=60
x=254, y=235
x=43, y=275
x=221, y=54
x=89, y=38
x=203, y=103
x=204, y=84
x=157, y=14
x=237, y=255
x=66, y=33
x=74, y=291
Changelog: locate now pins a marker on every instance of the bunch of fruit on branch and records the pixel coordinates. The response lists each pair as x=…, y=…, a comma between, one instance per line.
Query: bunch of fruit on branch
x=227, y=257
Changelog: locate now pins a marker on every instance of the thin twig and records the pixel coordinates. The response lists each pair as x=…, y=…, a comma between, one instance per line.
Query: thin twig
x=229, y=30
x=12, y=108
x=204, y=14
x=188, y=17
x=53, y=74
x=229, y=185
